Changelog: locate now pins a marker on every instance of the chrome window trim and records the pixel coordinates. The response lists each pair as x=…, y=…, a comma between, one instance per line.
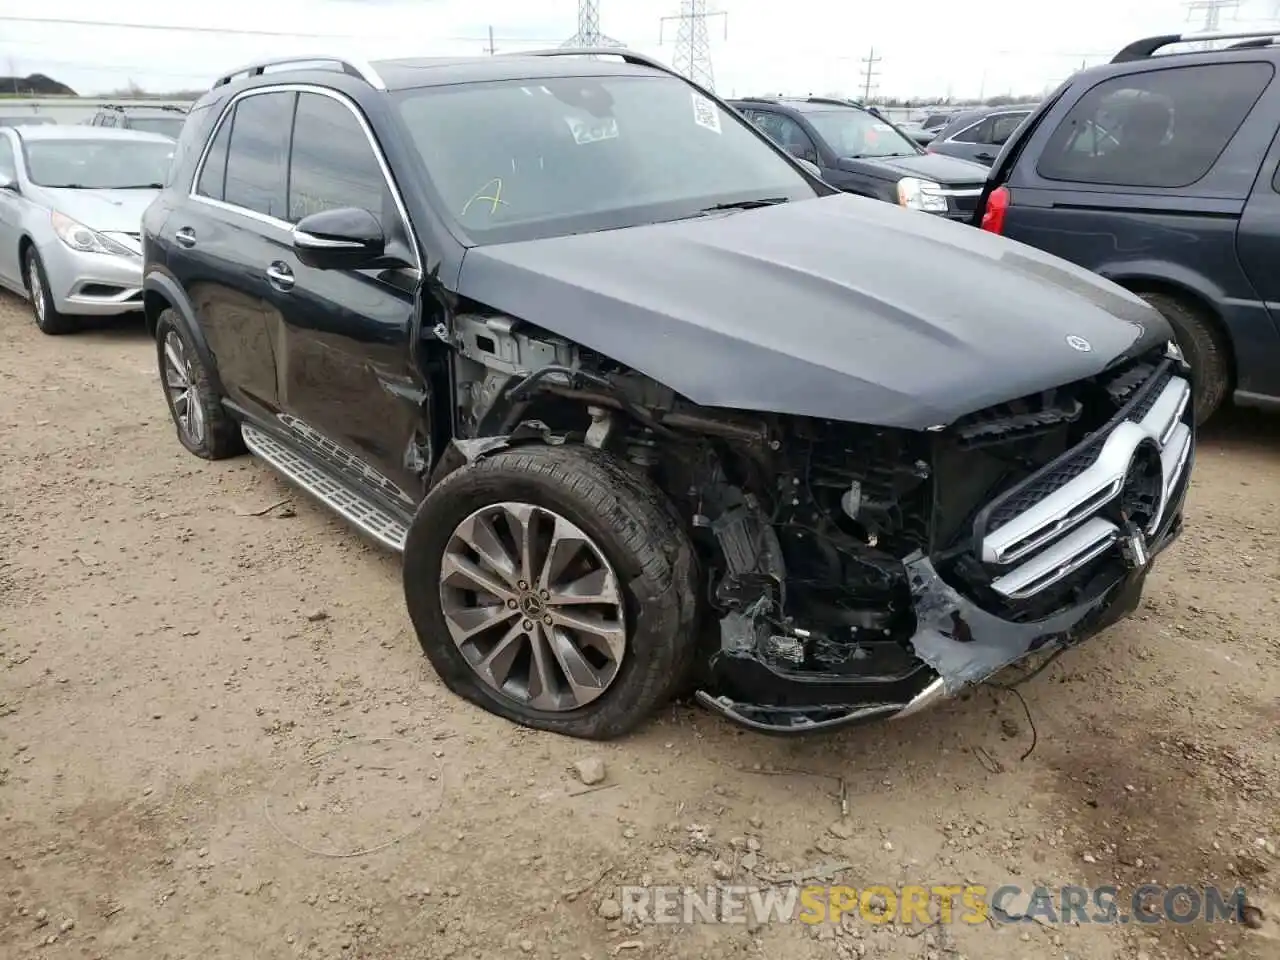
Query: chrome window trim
x=989, y=116
x=285, y=225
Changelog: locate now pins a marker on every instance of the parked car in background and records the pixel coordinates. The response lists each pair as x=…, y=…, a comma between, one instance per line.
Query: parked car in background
x=160, y=118
x=646, y=405
x=978, y=135
x=924, y=130
x=25, y=120
x=859, y=152
x=71, y=202
x=1159, y=171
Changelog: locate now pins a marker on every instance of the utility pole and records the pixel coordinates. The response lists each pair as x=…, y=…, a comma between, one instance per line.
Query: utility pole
x=491, y=49
x=869, y=73
x=693, y=47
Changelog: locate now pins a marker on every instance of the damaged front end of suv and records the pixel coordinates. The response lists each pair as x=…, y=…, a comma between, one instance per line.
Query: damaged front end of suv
x=850, y=571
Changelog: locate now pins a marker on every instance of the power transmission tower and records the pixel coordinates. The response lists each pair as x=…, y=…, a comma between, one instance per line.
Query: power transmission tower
x=1211, y=12
x=589, y=34
x=693, y=47
x=869, y=73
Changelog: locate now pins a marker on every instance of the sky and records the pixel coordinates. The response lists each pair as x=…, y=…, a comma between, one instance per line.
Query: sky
x=927, y=48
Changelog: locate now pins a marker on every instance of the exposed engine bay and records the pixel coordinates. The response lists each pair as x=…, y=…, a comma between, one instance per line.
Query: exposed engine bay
x=837, y=566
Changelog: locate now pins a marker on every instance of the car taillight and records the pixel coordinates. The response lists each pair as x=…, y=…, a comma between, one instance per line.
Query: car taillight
x=997, y=207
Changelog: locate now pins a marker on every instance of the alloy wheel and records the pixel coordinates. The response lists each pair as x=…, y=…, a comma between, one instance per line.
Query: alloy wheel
x=36, y=288
x=180, y=384
x=534, y=606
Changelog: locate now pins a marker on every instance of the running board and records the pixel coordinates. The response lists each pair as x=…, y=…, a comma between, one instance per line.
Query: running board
x=332, y=492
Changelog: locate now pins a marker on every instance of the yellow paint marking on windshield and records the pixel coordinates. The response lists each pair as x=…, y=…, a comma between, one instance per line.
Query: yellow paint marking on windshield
x=494, y=199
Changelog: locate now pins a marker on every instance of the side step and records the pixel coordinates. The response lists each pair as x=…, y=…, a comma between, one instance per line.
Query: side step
x=329, y=490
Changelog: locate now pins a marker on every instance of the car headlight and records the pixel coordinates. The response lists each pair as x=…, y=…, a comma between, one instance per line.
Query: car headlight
x=79, y=237
x=917, y=194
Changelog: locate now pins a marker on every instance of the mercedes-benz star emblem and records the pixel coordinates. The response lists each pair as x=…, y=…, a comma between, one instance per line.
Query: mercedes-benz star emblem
x=1079, y=343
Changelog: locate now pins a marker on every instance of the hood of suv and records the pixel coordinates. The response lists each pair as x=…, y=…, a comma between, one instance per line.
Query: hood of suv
x=838, y=307
x=950, y=171
x=107, y=211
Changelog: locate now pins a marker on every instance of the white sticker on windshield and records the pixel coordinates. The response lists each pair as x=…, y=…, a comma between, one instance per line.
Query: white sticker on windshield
x=592, y=131
x=705, y=113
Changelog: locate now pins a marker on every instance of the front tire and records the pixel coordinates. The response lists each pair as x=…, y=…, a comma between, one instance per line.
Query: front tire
x=48, y=319
x=553, y=586
x=204, y=427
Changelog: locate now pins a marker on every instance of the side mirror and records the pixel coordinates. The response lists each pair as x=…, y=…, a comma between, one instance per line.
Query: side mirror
x=810, y=167
x=347, y=238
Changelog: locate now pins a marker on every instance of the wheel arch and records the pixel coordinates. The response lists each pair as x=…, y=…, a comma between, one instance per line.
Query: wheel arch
x=161, y=292
x=1196, y=296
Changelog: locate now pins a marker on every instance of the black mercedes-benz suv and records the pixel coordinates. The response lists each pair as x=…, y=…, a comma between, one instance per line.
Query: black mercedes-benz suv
x=647, y=407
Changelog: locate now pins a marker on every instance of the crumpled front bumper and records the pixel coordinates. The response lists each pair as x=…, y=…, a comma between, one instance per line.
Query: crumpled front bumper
x=957, y=642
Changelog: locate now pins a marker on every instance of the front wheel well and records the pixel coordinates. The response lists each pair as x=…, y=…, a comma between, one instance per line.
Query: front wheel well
x=25, y=244
x=1193, y=301
x=154, y=303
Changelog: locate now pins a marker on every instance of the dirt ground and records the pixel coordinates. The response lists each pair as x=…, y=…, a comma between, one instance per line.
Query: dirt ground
x=218, y=737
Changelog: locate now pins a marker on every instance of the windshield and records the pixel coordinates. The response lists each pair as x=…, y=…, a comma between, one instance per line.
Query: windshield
x=855, y=133
x=97, y=164
x=520, y=159
x=168, y=126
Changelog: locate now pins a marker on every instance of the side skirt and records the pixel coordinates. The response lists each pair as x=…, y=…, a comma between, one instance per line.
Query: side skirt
x=344, y=498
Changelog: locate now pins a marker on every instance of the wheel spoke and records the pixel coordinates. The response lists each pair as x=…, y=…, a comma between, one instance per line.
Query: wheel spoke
x=598, y=586
x=174, y=360
x=592, y=624
x=566, y=543
x=458, y=571
x=467, y=622
x=496, y=667
x=584, y=680
x=543, y=689
x=195, y=415
x=478, y=533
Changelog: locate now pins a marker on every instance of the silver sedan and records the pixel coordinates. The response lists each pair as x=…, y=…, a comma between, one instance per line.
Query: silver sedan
x=71, y=203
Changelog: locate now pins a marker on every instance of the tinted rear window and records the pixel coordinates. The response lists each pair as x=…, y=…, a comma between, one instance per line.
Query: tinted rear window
x=1161, y=128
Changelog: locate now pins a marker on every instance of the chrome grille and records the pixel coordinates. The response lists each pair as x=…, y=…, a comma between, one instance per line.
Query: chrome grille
x=1063, y=517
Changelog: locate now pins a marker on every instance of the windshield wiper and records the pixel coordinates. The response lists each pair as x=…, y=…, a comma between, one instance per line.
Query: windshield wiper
x=745, y=204
x=139, y=186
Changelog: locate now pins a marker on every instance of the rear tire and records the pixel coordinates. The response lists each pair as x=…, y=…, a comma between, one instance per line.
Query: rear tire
x=616, y=516
x=204, y=427
x=1204, y=349
x=48, y=319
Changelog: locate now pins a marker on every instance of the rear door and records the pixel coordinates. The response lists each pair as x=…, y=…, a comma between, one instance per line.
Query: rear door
x=347, y=385
x=1258, y=246
x=981, y=140
x=225, y=235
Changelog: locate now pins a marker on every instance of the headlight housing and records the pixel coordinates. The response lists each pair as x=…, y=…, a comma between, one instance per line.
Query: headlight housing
x=917, y=194
x=79, y=237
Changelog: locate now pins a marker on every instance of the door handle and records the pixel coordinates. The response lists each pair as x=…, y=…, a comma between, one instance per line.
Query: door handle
x=280, y=276
x=185, y=236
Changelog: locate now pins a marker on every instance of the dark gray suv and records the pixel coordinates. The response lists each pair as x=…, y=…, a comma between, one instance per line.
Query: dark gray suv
x=646, y=406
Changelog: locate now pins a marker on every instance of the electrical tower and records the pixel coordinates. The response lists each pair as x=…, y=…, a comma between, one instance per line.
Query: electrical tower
x=693, y=47
x=869, y=73
x=1211, y=12
x=589, y=34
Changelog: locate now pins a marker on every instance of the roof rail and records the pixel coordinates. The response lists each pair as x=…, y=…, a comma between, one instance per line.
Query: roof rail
x=351, y=67
x=1146, y=47
x=834, y=101
x=629, y=56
